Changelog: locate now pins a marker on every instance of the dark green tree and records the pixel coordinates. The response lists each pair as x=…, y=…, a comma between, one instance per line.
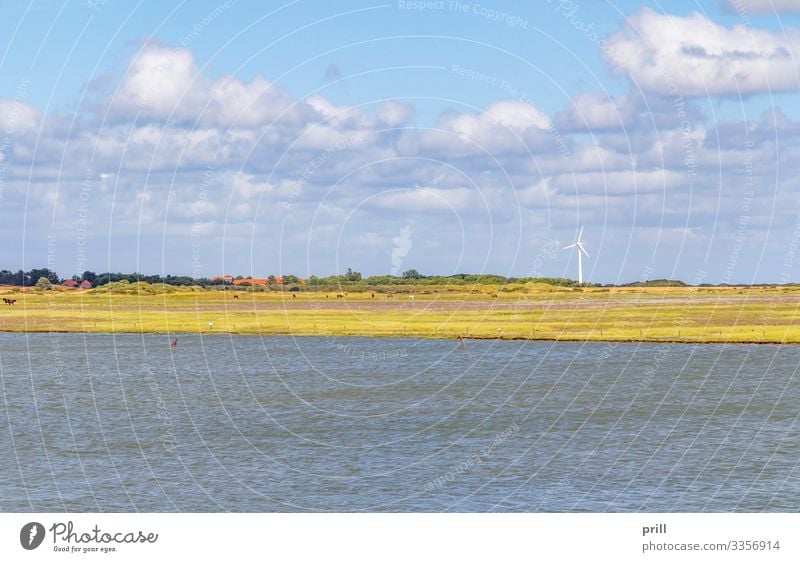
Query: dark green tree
x=32, y=277
x=352, y=275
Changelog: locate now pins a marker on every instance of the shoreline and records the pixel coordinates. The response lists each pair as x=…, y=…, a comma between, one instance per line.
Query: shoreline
x=723, y=316
x=626, y=341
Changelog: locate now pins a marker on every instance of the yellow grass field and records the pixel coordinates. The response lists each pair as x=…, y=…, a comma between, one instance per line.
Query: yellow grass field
x=536, y=312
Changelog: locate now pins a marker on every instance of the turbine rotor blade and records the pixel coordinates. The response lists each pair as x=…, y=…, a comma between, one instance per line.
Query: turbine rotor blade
x=582, y=249
x=580, y=234
x=570, y=246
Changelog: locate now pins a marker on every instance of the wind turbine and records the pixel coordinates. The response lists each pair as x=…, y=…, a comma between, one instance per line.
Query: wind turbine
x=581, y=250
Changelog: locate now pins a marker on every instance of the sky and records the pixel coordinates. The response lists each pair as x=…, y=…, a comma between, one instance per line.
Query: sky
x=308, y=137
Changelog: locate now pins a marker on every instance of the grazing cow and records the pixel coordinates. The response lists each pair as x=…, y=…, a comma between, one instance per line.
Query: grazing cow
x=390, y=296
x=494, y=295
x=411, y=297
x=339, y=296
x=373, y=295
x=294, y=296
x=9, y=301
x=236, y=296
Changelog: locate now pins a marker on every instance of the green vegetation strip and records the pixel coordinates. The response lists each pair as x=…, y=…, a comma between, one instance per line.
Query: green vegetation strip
x=527, y=311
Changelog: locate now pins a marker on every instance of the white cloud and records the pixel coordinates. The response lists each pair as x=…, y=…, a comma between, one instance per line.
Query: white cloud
x=17, y=117
x=505, y=126
x=158, y=83
x=596, y=111
x=337, y=115
x=394, y=114
x=499, y=118
x=247, y=187
x=328, y=159
x=763, y=6
x=428, y=199
x=622, y=182
x=693, y=56
x=163, y=82
x=515, y=115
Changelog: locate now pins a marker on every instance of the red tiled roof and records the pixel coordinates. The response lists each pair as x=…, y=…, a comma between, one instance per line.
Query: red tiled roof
x=251, y=281
x=254, y=281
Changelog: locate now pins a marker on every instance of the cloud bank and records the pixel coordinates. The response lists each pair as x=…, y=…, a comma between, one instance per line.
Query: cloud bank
x=175, y=163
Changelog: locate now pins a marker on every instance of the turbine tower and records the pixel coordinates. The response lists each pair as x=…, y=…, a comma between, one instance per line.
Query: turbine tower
x=581, y=250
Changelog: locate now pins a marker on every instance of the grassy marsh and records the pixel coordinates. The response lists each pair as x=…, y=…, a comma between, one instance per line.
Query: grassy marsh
x=679, y=314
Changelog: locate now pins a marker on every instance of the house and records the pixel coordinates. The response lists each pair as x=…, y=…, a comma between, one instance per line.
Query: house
x=251, y=281
x=223, y=278
x=70, y=283
x=85, y=285
x=276, y=280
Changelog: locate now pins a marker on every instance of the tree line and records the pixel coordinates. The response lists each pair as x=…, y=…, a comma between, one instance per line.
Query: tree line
x=30, y=278
x=350, y=278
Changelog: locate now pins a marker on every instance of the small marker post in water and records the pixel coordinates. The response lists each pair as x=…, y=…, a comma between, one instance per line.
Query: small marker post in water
x=461, y=340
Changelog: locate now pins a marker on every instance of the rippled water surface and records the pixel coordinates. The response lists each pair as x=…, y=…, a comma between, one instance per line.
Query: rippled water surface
x=125, y=423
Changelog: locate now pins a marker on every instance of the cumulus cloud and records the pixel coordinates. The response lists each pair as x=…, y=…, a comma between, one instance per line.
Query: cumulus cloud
x=427, y=199
x=342, y=117
x=762, y=6
x=394, y=114
x=505, y=126
x=220, y=155
x=693, y=56
x=516, y=115
x=17, y=117
x=596, y=111
x=158, y=83
x=501, y=116
x=163, y=82
x=619, y=182
x=773, y=127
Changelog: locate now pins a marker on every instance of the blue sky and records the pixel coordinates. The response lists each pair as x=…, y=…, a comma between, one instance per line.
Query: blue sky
x=212, y=137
